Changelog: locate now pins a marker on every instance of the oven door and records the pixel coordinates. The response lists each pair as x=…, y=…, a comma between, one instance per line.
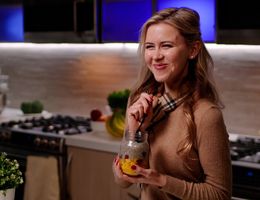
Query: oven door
x=21, y=156
x=21, y=159
x=246, y=182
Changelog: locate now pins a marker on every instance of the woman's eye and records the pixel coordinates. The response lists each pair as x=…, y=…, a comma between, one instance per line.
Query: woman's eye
x=167, y=46
x=149, y=46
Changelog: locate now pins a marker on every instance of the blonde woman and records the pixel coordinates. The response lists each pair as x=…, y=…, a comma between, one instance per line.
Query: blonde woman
x=189, y=148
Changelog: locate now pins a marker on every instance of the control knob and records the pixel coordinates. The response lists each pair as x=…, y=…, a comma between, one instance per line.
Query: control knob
x=52, y=144
x=37, y=141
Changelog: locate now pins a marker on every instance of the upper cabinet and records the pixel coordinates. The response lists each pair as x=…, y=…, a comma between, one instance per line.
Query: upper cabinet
x=238, y=22
x=123, y=19
x=59, y=20
x=11, y=21
x=92, y=21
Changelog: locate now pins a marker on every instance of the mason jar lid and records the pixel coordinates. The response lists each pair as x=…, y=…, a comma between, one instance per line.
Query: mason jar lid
x=140, y=136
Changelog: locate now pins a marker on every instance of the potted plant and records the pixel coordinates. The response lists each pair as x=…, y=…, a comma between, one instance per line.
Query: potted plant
x=10, y=176
x=117, y=101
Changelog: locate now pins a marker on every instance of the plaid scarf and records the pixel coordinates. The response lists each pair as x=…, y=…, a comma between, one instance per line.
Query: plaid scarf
x=166, y=104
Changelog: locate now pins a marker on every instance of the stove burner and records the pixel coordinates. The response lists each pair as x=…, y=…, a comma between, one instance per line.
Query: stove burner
x=60, y=125
x=246, y=149
x=245, y=156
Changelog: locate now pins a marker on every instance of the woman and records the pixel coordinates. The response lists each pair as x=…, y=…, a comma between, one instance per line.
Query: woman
x=189, y=148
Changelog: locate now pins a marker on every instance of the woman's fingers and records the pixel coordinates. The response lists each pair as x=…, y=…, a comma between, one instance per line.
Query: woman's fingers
x=142, y=171
x=140, y=107
x=116, y=167
x=147, y=176
x=146, y=102
x=137, y=111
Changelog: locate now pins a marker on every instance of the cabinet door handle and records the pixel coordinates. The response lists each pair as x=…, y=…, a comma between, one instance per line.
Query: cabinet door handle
x=68, y=165
x=68, y=170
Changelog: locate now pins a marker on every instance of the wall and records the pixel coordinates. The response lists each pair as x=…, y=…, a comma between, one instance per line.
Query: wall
x=73, y=79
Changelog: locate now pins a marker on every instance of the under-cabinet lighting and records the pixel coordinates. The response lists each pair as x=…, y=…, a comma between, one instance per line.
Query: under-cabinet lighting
x=117, y=46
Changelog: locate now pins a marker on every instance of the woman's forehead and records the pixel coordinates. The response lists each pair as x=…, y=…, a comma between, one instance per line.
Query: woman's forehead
x=162, y=32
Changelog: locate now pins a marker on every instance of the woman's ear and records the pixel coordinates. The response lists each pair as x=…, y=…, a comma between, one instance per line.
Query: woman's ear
x=194, y=49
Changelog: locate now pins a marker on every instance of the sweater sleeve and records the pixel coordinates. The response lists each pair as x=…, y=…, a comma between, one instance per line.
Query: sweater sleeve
x=214, y=156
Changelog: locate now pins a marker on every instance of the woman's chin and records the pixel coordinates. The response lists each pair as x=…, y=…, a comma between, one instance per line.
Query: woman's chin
x=161, y=79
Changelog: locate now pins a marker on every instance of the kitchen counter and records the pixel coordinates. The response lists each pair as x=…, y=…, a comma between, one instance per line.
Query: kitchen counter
x=100, y=141
x=17, y=114
x=96, y=140
x=10, y=114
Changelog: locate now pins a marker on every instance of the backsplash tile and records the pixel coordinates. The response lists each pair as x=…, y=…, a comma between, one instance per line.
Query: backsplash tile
x=73, y=79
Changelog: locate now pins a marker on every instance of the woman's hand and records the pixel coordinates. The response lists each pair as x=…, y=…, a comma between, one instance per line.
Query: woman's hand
x=118, y=174
x=138, y=110
x=146, y=176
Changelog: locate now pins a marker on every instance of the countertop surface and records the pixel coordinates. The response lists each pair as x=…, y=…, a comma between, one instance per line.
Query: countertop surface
x=98, y=140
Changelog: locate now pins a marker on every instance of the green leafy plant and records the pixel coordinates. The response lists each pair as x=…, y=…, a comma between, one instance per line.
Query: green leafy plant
x=118, y=99
x=32, y=107
x=10, y=174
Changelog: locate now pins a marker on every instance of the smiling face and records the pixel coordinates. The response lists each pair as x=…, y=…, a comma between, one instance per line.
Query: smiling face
x=166, y=54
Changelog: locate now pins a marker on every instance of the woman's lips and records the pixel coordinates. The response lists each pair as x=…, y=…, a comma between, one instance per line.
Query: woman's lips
x=159, y=66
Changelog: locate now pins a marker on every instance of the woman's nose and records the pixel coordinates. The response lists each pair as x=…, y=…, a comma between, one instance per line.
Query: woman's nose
x=158, y=54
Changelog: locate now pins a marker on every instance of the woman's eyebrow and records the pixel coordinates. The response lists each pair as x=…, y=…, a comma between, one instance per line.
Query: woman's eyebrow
x=160, y=42
x=163, y=42
x=146, y=43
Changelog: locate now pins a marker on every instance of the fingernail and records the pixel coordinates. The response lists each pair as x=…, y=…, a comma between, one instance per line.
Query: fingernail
x=133, y=167
x=115, y=159
x=117, y=162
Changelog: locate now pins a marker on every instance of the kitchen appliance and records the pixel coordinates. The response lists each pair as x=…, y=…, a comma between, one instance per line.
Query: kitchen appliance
x=245, y=156
x=3, y=91
x=40, y=136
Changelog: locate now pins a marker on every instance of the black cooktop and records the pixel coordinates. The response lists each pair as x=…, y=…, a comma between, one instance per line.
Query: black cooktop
x=245, y=149
x=56, y=124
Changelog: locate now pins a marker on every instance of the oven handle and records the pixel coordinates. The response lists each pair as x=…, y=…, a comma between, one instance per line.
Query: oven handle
x=18, y=156
x=68, y=165
x=68, y=172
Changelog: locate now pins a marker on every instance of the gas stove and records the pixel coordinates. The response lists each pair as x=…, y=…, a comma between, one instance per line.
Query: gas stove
x=245, y=150
x=43, y=133
x=245, y=156
x=42, y=137
x=59, y=125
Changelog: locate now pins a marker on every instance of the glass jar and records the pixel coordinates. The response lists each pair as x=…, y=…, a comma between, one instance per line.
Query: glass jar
x=3, y=91
x=134, y=150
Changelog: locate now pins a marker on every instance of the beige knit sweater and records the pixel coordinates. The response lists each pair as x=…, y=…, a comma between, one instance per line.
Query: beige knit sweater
x=209, y=176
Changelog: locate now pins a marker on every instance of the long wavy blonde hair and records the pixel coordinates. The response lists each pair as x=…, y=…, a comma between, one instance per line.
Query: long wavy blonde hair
x=199, y=80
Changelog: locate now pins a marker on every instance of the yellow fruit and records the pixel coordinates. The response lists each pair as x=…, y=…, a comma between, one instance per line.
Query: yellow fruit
x=126, y=166
x=108, y=126
x=117, y=127
x=119, y=121
x=115, y=124
x=114, y=131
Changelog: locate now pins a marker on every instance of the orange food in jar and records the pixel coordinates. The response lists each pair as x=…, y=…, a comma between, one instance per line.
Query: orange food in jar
x=126, y=166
